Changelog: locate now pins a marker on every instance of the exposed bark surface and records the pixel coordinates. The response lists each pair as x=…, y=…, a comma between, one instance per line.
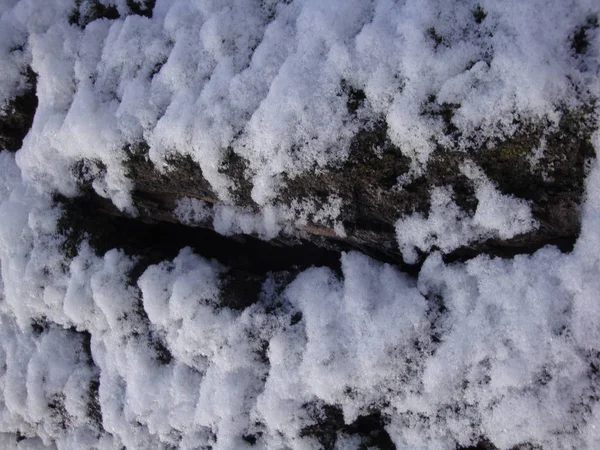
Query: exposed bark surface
x=372, y=203
x=366, y=183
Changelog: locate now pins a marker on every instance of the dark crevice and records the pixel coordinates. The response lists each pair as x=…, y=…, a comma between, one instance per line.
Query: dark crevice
x=479, y=14
x=437, y=38
x=56, y=401
x=161, y=352
x=329, y=426
x=247, y=258
x=581, y=38
x=16, y=117
x=39, y=325
x=58, y=411
x=250, y=438
x=86, y=11
x=485, y=444
x=95, y=218
x=523, y=245
x=366, y=186
x=355, y=97
x=239, y=289
x=142, y=7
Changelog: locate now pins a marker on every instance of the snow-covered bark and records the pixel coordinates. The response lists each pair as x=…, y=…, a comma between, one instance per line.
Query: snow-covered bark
x=105, y=348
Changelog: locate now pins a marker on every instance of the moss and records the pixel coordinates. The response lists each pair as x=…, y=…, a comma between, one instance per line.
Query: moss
x=566, y=151
x=443, y=169
x=371, y=202
x=364, y=182
x=183, y=178
x=512, y=150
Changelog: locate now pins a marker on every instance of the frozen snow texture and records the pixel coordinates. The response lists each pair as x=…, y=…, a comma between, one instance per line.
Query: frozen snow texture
x=228, y=220
x=91, y=357
x=506, y=349
x=447, y=227
x=266, y=79
x=192, y=211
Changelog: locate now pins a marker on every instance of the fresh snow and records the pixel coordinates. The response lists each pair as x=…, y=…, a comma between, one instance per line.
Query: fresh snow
x=447, y=227
x=265, y=79
x=500, y=348
x=506, y=349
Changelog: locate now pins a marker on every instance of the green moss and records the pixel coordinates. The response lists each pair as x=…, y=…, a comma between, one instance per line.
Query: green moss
x=512, y=150
x=364, y=182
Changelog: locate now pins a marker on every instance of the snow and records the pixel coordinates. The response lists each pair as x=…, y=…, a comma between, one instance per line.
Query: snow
x=501, y=348
x=447, y=227
x=265, y=79
x=508, y=356
x=266, y=224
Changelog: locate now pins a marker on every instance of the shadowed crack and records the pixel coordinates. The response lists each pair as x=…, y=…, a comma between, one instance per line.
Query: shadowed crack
x=106, y=227
x=16, y=117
